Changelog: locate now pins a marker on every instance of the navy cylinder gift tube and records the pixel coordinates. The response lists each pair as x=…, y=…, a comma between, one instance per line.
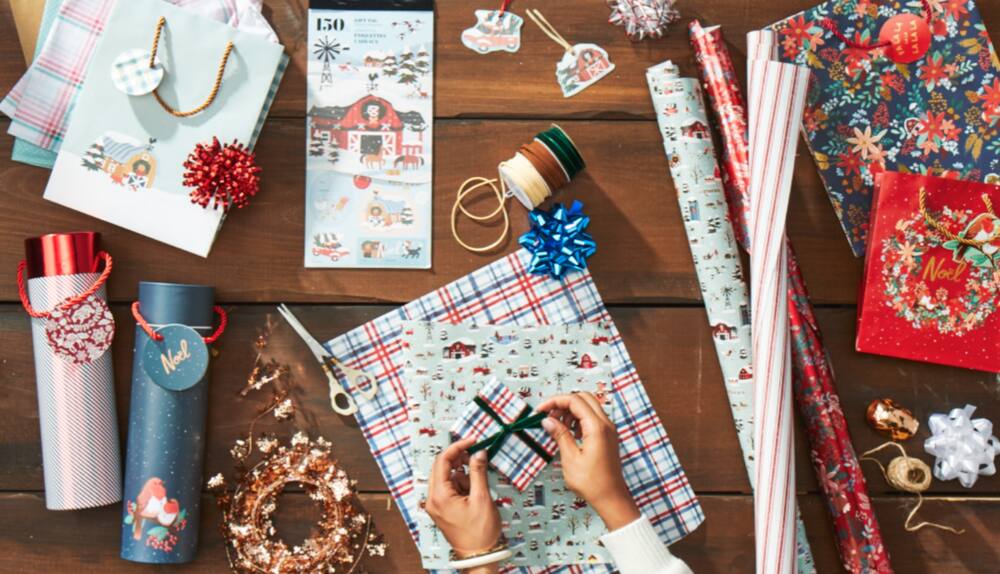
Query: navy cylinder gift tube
x=166, y=433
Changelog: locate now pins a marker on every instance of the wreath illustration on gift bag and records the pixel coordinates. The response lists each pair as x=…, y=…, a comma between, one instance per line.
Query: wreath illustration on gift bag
x=975, y=250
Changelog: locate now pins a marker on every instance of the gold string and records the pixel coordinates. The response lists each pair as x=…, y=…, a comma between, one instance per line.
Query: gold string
x=937, y=225
x=911, y=475
x=215, y=87
x=549, y=29
x=501, y=195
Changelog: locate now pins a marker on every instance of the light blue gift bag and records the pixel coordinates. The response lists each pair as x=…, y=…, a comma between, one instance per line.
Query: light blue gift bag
x=123, y=157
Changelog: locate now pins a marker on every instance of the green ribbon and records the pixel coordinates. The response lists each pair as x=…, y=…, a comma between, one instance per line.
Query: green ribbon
x=524, y=421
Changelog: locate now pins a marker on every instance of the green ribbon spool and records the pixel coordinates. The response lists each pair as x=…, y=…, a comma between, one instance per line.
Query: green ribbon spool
x=525, y=420
x=562, y=147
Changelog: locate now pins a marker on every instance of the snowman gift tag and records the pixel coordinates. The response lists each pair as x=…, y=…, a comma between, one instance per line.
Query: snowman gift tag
x=177, y=358
x=495, y=30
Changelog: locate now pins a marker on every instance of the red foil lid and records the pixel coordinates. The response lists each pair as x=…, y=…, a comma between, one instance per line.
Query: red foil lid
x=62, y=253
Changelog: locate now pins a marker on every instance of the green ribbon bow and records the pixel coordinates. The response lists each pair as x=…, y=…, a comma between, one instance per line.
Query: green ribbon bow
x=524, y=421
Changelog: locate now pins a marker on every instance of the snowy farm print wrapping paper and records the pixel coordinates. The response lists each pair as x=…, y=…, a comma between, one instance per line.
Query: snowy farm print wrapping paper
x=866, y=114
x=927, y=296
x=369, y=136
x=447, y=366
x=123, y=157
x=505, y=293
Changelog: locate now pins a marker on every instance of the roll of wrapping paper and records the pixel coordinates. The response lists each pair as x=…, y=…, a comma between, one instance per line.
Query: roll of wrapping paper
x=683, y=121
x=858, y=536
x=76, y=401
x=166, y=437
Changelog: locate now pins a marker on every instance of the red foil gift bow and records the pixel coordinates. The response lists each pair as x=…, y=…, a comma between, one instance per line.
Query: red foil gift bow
x=859, y=538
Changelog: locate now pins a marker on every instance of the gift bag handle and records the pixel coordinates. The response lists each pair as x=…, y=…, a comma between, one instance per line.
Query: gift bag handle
x=215, y=87
x=940, y=227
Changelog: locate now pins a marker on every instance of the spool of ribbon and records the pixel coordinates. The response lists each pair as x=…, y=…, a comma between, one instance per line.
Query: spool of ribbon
x=525, y=420
x=907, y=474
x=536, y=171
x=965, y=448
x=558, y=241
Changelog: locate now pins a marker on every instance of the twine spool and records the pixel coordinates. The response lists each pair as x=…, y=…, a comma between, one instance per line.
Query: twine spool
x=537, y=170
x=907, y=474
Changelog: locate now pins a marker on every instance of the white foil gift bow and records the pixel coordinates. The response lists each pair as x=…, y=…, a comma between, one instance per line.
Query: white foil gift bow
x=964, y=447
x=776, y=101
x=683, y=121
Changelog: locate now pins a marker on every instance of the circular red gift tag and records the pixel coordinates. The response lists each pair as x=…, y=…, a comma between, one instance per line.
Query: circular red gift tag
x=908, y=36
x=80, y=333
x=362, y=181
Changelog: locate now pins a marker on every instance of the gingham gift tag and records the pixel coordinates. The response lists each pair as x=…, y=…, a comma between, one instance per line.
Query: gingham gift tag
x=521, y=454
x=132, y=74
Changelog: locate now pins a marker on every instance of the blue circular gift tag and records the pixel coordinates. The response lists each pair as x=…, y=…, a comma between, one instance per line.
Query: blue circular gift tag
x=132, y=74
x=179, y=360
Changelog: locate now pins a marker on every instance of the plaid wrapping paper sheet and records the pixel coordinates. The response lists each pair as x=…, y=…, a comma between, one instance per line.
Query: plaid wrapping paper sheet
x=505, y=293
x=515, y=459
x=41, y=102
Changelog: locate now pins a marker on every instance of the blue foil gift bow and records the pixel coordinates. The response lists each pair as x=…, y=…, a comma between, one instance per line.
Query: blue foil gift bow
x=557, y=240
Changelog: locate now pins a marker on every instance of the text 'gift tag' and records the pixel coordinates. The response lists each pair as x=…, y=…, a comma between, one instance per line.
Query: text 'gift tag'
x=178, y=360
x=80, y=333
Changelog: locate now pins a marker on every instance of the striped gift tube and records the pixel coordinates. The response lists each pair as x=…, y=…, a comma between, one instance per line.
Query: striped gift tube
x=76, y=401
x=777, y=99
x=858, y=536
x=680, y=109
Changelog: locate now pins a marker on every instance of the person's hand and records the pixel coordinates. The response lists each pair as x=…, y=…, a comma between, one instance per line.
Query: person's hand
x=592, y=468
x=460, y=503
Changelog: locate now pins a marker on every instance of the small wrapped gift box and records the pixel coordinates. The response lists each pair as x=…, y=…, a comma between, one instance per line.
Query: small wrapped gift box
x=510, y=432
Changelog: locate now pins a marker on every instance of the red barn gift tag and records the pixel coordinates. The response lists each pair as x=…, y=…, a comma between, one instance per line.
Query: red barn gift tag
x=932, y=278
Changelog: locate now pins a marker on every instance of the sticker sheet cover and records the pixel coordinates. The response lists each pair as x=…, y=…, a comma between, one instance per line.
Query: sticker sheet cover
x=369, y=138
x=445, y=366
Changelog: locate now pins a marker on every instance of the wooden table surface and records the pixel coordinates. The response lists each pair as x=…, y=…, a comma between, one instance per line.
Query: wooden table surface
x=485, y=107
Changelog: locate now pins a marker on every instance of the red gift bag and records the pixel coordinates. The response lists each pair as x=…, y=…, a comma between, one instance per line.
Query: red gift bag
x=932, y=276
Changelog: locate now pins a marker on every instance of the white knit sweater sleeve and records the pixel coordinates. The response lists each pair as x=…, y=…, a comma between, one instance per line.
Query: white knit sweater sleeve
x=637, y=549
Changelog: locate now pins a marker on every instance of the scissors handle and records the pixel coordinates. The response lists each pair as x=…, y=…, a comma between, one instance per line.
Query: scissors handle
x=358, y=380
x=340, y=400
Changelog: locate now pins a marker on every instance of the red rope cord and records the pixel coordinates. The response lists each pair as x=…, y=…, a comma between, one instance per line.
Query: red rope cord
x=831, y=26
x=504, y=6
x=22, y=288
x=148, y=329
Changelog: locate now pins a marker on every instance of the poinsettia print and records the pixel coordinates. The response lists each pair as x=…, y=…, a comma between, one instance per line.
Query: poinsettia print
x=867, y=114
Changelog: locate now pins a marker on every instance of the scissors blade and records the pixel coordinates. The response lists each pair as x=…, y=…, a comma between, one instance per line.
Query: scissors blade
x=318, y=350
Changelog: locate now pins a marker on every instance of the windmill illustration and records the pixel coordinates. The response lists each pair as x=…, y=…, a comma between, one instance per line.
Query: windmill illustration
x=327, y=52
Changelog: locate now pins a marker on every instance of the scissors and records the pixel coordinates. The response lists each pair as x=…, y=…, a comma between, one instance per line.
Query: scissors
x=340, y=400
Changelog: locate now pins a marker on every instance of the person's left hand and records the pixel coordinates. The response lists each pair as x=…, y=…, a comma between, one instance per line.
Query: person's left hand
x=460, y=503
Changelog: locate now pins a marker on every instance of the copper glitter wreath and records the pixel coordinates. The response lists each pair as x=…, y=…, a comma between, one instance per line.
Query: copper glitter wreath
x=344, y=531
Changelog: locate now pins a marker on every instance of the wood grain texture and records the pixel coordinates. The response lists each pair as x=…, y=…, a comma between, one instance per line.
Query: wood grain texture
x=642, y=254
x=484, y=108
x=33, y=539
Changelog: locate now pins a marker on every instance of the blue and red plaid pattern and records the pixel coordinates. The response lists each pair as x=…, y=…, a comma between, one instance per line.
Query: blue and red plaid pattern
x=516, y=459
x=505, y=293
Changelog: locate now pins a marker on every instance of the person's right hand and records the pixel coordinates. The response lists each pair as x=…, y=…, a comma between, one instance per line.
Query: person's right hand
x=592, y=468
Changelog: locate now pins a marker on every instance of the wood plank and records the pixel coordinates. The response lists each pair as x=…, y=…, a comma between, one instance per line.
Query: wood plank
x=86, y=542
x=684, y=385
x=642, y=256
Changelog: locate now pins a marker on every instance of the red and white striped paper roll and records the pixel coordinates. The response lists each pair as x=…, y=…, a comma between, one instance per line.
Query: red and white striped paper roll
x=81, y=457
x=777, y=98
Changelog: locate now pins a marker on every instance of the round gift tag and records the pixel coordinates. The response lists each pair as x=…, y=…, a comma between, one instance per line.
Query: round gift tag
x=80, y=333
x=908, y=36
x=132, y=74
x=177, y=361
